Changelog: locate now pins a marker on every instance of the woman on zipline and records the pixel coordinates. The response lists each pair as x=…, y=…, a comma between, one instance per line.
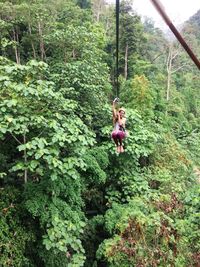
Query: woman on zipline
x=119, y=122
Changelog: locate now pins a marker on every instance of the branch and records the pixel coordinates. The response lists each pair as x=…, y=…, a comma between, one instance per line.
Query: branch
x=168, y=60
x=41, y=133
x=16, y=139
x=175, y=55
x=157, y=57
x=179, y=68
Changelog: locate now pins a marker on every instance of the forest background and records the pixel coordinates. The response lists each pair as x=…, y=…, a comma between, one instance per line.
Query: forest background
x=66, y=197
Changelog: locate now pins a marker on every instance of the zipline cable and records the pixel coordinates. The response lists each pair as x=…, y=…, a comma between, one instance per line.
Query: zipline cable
x=157, y=4
x=117, y=48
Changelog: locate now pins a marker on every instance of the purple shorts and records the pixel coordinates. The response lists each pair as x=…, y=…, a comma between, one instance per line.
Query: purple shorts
x=117, y=134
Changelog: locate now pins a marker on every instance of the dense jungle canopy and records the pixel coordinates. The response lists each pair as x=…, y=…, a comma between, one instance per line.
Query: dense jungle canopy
x=66, y=197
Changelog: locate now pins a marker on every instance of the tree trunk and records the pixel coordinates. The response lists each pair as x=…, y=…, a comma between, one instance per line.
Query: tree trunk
x=126, y=63
x=98, y=16
x=32, y=44
x=73, y=54
x=15, y=38
x=97, y=7
x=169, y=73
x=172, y=55
x=42, y=49
x=168, y=85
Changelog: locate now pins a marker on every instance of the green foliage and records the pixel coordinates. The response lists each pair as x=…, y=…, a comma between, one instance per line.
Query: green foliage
x=41, y=134
x=191, y=143
x=95, y=161
x=131, y=36
x=15, y=233
x=27, y=109
x=142, y=235
x=137, y=93
x=64, y=236
x=67, y=197
x=154, y=49
x=192, y=226
x=88, y=87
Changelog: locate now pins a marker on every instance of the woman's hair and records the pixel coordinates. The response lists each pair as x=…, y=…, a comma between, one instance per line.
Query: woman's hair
x=122, y=109
x=115, y=118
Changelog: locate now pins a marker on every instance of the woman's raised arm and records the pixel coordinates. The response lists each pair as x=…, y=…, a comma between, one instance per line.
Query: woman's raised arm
x=114, y=110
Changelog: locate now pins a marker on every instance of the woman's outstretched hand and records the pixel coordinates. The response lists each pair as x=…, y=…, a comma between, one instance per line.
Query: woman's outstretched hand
x=116, y=100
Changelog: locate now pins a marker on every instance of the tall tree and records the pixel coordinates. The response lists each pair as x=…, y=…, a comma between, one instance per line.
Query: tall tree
x=131, y=31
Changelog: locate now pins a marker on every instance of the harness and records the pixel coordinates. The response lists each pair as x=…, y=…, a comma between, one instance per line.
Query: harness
x=119, y=127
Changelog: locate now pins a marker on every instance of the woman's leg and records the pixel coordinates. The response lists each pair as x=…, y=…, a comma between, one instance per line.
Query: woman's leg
x=121, y=148
x=116, y=140
x=121, y=136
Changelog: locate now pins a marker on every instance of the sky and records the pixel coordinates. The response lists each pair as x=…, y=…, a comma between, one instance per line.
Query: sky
x=177, y=10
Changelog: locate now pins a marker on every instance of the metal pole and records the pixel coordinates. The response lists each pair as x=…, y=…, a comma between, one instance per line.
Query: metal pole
x=160, y=9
